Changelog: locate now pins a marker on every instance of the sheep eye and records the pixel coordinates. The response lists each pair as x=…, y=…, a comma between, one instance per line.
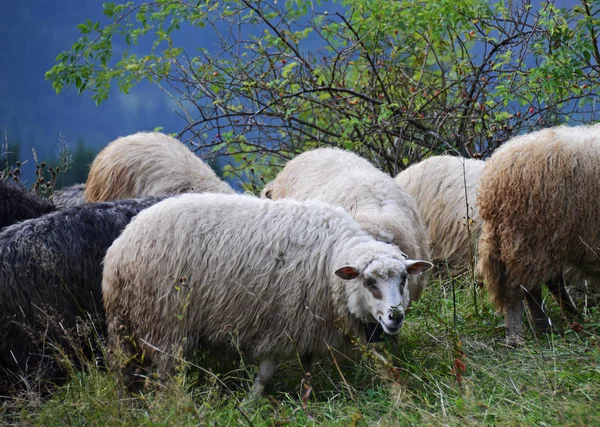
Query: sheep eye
x=370, y=282
x=403, y=279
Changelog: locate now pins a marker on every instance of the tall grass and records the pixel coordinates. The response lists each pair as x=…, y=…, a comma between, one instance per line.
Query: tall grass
x=449, y=366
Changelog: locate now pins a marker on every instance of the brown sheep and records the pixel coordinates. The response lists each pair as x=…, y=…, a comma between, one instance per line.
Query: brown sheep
x=538, y=198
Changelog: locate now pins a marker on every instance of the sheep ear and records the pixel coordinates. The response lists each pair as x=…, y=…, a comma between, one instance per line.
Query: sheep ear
x=347, y=273
x=417, y=266
x=266, y=193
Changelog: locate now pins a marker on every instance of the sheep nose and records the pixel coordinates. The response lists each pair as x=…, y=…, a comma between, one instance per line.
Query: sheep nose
x=396, y=316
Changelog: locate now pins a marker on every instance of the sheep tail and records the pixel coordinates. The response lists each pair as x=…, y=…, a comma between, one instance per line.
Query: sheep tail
x=490, y=267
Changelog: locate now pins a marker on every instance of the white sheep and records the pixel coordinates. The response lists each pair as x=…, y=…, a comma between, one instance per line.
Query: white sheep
x=445, y=189
x=148, y=164
x=272, y=277
x=373, y=199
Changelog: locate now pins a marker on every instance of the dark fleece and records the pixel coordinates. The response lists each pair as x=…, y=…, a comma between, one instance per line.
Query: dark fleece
x=18, y=204
x=51, y=275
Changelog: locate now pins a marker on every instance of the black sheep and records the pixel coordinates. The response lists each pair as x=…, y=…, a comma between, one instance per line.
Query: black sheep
x=18, y=204
x=51, y=274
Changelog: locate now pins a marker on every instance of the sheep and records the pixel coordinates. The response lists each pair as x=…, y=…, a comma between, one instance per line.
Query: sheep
x=198, y=269
x=444, y=189
x=148, y=164
x=374, y=200
x=68, y=197
x=538, y=198
x=18, y=204
x=51, y=266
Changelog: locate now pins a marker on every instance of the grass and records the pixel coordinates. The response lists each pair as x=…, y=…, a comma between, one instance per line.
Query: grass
x=448, y=367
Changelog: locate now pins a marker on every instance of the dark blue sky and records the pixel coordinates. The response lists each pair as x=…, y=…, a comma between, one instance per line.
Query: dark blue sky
x=32, y=33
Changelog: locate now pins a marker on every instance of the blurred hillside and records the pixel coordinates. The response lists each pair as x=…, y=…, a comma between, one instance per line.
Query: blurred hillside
x=32, y=33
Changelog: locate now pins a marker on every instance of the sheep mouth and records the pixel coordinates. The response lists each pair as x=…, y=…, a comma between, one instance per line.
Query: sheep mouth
x=390, y=329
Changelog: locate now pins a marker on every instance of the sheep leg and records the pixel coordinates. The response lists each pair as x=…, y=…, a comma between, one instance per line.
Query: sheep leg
x=513, y=317
x=534, y=301
x=558, y=288
x=305, y=386
x=266, y=369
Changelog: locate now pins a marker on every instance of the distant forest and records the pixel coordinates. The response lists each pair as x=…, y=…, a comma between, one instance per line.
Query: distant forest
x=72, y=162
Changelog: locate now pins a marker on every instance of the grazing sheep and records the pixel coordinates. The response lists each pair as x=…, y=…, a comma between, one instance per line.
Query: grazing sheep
x=149, y=164
x=445, y=188
x=373, y=199
x=273, y=278
x=51, y=267
x=69, y=196
x=18, y=204
x=538, y=198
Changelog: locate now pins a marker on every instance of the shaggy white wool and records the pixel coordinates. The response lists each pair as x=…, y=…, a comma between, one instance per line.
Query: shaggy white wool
x=149, y=164
x=445, y=190
x=212, y=269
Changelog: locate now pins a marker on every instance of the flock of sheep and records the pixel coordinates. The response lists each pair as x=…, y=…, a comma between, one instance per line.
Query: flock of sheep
x=166, y=258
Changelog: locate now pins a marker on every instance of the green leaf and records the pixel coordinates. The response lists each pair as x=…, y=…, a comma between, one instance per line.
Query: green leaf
x=83, y=28
x=587, y=55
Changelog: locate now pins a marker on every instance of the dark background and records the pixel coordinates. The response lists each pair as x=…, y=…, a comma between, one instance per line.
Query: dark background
x=32, y=33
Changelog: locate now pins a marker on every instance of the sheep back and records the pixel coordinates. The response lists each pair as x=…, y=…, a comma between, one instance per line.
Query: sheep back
x=381, y=207
x=68, y=197
x=445, y=189
x=148, y=164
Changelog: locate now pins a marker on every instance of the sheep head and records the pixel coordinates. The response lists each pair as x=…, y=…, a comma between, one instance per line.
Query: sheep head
x=379, y=292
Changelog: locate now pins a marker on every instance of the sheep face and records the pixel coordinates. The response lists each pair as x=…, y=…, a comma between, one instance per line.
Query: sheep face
x=380, y=293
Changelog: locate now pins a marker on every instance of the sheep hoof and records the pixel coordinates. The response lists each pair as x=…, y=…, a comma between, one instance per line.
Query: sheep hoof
x=514, y=341
x=255, y=393
x=543, y=325
x=305, y=390
x=266, y=369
